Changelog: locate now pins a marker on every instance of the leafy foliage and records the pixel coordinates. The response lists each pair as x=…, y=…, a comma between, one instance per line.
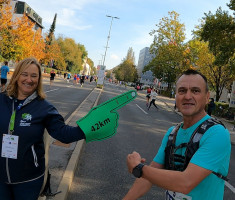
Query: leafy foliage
x=19, y=40
x=126, y=71
x=168, y=47
x=219, y=31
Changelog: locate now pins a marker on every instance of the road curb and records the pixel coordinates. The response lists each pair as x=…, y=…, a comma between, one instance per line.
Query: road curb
x=67, y=178
x=68, y=175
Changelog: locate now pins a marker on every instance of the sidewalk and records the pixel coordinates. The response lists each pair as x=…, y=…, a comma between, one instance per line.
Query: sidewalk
x=170, y=102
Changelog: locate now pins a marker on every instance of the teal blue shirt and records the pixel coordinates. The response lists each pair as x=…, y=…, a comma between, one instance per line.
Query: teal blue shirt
x=213, y=154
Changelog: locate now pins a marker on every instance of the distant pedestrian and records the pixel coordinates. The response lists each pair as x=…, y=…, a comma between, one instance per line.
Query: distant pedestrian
x=65, y=74
x=91, y=79
x=4, y=71
x=52, y=77
x=153, y=96
x=148, y=96
x=74, y=79
x=68, y=77
x=82, y=79
x=210, y=106
x=78, y=77
x=172, y=93
x=138, y=87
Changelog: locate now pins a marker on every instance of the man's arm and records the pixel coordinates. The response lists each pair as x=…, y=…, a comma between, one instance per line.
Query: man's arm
x=141, y=186
x=176, y=181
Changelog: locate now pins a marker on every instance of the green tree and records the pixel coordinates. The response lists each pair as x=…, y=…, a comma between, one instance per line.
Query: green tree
x=8, y=48
x=168, y=47
x=219, y=31
x=126, y=71
x=71, y=53
x=51, y=36
x=231, y=5
x=83, y=50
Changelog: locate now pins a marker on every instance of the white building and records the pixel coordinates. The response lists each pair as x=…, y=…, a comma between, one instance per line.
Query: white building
x=20, y=7
x=144, y=58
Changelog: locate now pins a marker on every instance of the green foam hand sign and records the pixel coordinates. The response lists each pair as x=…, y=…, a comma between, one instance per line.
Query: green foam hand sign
x=102, y=121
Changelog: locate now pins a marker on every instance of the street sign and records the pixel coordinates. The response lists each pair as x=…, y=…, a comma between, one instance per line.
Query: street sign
x=232, y=97
x=101, y=75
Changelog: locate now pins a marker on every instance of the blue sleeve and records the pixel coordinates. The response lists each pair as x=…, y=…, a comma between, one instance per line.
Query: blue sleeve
x=214, y=150
x=160, y=157
x=59, y=130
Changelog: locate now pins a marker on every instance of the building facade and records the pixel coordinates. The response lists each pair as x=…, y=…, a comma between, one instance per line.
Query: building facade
x=19, y=8
x=144, y=58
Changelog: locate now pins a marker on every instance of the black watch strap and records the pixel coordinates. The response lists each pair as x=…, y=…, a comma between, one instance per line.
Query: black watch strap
x=137, y=170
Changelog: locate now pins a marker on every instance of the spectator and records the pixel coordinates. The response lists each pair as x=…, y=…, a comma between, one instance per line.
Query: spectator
x=210, y=106
x=4, y=71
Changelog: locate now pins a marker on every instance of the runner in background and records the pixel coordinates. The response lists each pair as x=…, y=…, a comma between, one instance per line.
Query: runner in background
x=4, y=71
x=52, y=77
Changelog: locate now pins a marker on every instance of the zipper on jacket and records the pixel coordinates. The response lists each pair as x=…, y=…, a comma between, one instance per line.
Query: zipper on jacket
x=35, y=156
x=9, y=132
x=7, y=169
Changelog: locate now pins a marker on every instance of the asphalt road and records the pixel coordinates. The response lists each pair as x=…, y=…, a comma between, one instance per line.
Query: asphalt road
x=102, y=172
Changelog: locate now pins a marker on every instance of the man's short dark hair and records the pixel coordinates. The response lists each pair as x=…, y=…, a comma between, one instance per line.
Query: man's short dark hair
x=5, y=63
x=194, y=72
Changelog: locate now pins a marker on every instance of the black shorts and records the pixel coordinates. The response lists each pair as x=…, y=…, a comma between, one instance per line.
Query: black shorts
x=148, y=96
x=3, y=81
x=52, y=79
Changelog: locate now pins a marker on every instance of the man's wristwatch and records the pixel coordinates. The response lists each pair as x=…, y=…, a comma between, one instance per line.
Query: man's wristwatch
x=137, y=170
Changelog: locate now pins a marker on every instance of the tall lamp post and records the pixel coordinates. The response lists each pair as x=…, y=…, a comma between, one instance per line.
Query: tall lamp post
x=108, y=36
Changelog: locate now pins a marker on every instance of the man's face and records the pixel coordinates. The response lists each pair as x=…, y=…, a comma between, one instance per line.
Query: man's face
x=191, y=95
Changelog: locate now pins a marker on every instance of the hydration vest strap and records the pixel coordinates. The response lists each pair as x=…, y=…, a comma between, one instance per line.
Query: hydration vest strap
x=221, y=176
x=190, y=147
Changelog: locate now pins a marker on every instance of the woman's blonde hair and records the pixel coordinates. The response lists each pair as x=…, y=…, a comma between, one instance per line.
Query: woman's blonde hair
x=12, y=88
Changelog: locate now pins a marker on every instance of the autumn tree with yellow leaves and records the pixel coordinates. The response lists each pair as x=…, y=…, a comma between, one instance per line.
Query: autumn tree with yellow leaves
x=18, y=38
x=8, y=48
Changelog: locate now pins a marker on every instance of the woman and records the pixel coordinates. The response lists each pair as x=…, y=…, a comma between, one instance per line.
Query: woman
x=26, y=115
x=153, y=96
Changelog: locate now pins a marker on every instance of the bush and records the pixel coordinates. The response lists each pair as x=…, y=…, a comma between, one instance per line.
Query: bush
x=223, y=110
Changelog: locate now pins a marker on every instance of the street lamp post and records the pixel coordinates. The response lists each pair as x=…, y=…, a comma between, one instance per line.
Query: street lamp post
x=108, y=36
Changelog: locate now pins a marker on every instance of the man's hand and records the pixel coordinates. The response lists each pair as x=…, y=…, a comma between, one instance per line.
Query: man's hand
x=133, y=160
x=102, y=121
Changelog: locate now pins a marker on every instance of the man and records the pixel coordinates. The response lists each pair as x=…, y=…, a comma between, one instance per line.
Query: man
x=4, y=70
x=52, y=77
x=82, y=79
x=199, y=178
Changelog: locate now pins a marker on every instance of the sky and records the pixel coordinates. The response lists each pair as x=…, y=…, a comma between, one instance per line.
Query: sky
x=86, y=22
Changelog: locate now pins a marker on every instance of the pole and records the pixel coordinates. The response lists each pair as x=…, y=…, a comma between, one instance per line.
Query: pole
x=108, y=36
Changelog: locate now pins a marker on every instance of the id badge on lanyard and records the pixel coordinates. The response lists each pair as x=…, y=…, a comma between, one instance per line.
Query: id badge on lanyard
x=10, y=146
x=176, y=196
x=9, y=141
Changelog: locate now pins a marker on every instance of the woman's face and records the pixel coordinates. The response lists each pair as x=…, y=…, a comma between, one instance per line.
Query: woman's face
x=28, y=81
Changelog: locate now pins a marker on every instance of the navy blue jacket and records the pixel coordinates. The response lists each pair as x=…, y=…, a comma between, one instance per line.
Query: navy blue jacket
x=30, y=122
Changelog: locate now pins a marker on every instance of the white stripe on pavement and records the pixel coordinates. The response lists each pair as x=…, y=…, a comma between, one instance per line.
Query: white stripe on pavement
x=51, y=90
x=230, y=186
x=141, y=109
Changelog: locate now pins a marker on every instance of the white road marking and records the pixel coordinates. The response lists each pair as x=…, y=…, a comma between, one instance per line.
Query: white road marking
x=51, y=90
x=230, y=186
x=141, y=109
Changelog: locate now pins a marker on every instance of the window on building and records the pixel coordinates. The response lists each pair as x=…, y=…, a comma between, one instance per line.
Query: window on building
x=19, y=7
